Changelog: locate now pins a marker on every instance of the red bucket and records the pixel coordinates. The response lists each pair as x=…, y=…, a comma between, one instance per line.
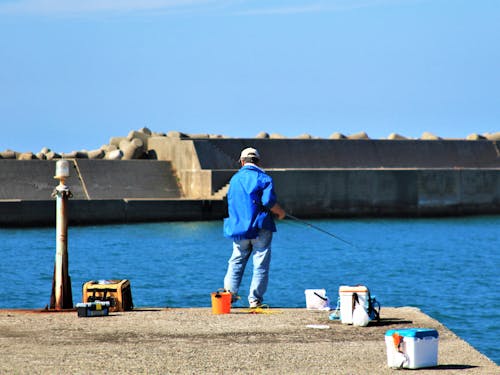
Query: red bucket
x=221, y=302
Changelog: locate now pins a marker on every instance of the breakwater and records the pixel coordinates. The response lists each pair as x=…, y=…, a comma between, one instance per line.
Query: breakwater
x=159, y=177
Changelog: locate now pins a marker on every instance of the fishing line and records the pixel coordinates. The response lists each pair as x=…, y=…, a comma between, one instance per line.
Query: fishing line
x=318, y=229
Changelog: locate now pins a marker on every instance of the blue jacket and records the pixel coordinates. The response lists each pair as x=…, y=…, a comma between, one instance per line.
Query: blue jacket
x=250, y=196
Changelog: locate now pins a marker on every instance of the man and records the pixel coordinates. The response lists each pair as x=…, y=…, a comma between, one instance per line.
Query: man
x=252, y=204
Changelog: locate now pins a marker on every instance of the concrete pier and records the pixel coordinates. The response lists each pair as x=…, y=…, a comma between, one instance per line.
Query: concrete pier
x=194, y=341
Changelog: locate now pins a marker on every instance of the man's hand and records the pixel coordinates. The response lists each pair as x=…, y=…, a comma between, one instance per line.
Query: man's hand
x=278, y=211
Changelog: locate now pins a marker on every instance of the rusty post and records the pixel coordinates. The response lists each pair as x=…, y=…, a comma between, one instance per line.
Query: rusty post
x=61, y=297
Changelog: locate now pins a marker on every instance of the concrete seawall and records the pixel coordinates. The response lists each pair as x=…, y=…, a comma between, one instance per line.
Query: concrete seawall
x=389, y=192
x=24, y=213
x=314, y=178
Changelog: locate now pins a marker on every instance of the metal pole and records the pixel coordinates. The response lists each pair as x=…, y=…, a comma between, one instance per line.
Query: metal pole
x=61, y=297
x=61, y=242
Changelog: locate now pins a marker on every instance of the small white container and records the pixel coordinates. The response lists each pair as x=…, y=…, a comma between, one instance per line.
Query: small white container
x=316, y=299
x=345, y=294
x=412, y=348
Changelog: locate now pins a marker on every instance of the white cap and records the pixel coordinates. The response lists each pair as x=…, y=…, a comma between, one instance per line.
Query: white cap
x=250, y=153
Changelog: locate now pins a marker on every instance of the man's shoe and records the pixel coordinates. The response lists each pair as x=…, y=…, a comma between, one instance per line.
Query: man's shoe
x=255, y=304
x=234, y=297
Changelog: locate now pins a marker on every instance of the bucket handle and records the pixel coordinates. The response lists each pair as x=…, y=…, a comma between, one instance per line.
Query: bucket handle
x=320, y=296
x=219, y=291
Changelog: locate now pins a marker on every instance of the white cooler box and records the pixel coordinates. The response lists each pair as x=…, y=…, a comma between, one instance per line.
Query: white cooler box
x=412, y=347
x=345, y=294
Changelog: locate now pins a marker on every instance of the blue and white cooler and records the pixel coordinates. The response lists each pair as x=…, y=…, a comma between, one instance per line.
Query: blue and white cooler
x=412, y=347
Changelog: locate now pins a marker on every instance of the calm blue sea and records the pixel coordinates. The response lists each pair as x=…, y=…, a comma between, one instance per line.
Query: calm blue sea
x=448, y=267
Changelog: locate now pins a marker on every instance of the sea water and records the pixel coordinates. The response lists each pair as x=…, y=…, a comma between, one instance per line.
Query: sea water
x=447, y=267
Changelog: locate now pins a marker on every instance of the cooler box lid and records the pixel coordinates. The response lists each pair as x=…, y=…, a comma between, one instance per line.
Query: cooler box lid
x=418, y=333
x=353, y=289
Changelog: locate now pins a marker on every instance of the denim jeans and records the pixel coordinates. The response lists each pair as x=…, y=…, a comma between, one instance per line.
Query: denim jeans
x=242, y=250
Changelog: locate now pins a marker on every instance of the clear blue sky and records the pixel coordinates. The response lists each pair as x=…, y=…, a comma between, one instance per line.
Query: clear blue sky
x=75, y=73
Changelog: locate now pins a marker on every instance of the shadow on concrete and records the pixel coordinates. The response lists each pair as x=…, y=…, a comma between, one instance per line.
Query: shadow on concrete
x=390, y=322
x=451, y=367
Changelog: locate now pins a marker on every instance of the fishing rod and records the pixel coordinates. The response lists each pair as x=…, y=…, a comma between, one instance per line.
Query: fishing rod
x=317, y=228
